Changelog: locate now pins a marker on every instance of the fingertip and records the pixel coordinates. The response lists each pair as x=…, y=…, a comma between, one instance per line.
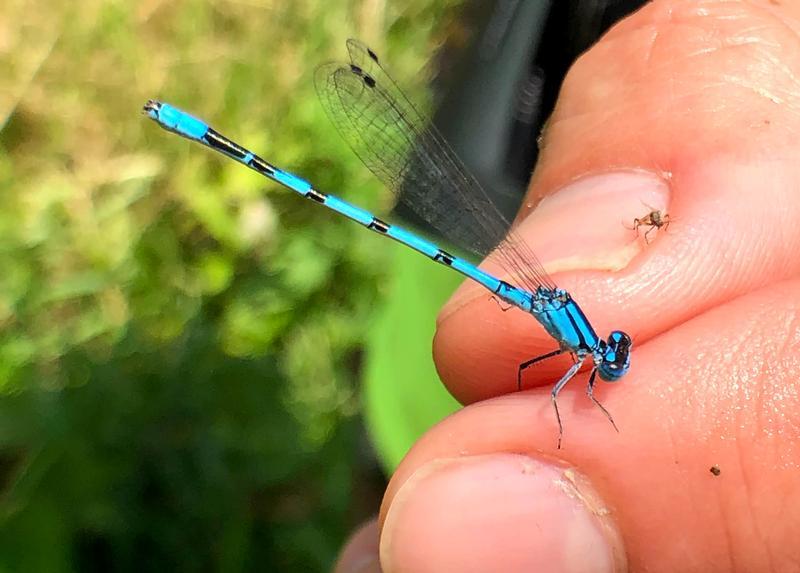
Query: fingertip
x=499, y=512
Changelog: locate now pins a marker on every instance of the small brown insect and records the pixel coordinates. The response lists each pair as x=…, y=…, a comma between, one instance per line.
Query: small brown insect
x=715, y=470
x=655, y=219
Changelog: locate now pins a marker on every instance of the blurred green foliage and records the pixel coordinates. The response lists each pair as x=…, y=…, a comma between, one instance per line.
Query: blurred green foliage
x=180, y=340
x=401, y=397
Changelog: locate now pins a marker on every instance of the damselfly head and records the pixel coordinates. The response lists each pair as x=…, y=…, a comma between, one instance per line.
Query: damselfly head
x=616, y=356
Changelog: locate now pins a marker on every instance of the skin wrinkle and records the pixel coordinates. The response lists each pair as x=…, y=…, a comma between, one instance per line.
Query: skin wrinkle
x=781, y=14
x=768, y=381
x=763, y=51
x=757, y=33
x=715, y=106
x=792, y=326
x=770, y=9
x=737, y=42
x=792, y=91
x=746, y=80
x=780, y=20
x=737, y=250
x=648, y=58
x=777, y=62
x=783, y=229
x=744, y=387
x=738, y=348
x=728, y=534
x=758, y=90
x=750, y=497
x=785, y=348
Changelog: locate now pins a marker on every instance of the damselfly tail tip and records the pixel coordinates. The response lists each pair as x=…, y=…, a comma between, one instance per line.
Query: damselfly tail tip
x=151, y=108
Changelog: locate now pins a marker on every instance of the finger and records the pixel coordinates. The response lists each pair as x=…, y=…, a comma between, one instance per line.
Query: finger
x=719, y=390
x=360, y=553
x=691, y=108
x=499, y=512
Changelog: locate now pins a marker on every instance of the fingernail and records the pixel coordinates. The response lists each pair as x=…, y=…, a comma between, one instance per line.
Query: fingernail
x=585, y=225
x=500, y=512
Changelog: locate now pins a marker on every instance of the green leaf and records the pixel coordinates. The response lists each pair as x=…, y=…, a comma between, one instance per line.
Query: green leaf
x=402, y=394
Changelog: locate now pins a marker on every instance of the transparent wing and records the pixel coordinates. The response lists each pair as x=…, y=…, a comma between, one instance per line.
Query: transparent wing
x=406, y=152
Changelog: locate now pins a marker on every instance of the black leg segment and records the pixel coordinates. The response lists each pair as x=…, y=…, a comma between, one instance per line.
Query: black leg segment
x=525, y=365
x=590, y=393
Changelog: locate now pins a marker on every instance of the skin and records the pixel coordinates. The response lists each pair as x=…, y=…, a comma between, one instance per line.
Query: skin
x=702, y=97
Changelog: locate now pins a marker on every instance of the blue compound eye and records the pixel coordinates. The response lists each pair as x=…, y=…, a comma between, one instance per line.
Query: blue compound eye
x=616, y=358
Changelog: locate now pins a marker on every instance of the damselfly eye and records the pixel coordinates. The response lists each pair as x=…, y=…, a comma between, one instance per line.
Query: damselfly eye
x=616, y=358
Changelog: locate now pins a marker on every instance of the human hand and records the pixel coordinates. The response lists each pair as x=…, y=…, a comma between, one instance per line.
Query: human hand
x=692, y=107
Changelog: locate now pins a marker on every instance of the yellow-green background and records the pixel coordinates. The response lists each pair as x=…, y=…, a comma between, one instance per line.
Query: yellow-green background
x=182, y=343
